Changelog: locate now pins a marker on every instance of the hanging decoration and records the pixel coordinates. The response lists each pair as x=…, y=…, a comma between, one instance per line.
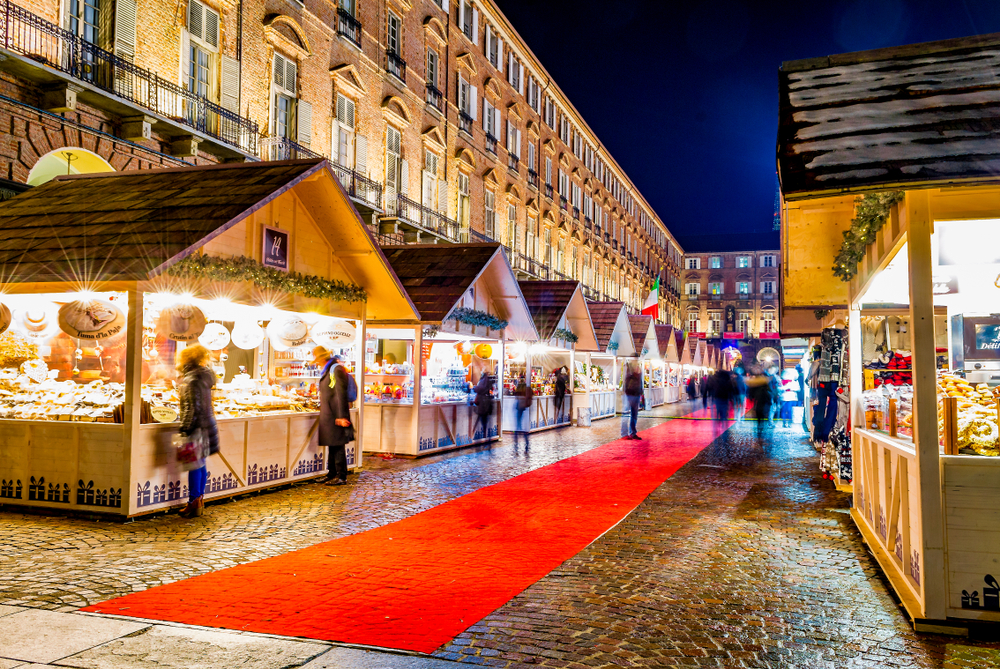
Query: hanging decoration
x=331, y=332
x=870, y=213
x=215, y=337
x=243, y=269
x=477, y=317
x=247, y=335
x=613, y=346
x=288, y=332
x=820, y=314
x=91, y=319
x=181, y=322
x=565, y=335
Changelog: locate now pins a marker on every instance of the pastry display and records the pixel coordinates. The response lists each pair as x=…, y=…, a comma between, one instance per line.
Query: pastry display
x=23, y=398
x=977, y=413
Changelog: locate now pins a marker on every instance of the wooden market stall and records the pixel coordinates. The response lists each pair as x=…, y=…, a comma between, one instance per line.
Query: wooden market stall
x=648, y=349
x=562, y=321
x=110, y=275
x=421, y=373
x=603, y=368
x=666, y=338
x=925, y=447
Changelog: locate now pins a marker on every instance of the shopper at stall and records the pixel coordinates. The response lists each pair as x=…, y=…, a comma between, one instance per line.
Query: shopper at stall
x=562, y=380
x=525, y=396
x=484, y=403
x=197, y=418
x=633, y=393
x=335, y=429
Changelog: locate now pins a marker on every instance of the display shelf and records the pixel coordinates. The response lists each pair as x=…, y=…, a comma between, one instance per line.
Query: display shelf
x=885, y=369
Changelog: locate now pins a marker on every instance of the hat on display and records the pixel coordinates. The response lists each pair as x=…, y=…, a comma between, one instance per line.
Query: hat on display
x=181, y=322
x=37, y=322
x=214, y=337
x=91, y=319
x=247, y=335
x=5, y=317
x=332, y=332
x=287, y=332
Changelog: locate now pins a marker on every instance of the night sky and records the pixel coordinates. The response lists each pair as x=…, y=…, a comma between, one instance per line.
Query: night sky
x=684, y=95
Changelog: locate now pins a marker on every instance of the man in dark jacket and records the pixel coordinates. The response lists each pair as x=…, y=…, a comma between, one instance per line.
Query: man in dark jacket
x=483, y=404
x=335, y=429
x=632, y=388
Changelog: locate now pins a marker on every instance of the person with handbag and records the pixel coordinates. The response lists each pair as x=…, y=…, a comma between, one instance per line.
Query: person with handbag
x=335, y=429
x=197, y=418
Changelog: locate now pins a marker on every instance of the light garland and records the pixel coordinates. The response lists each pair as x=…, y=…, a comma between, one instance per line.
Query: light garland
x=477, y=317
x=870, y=213
x=241, y=269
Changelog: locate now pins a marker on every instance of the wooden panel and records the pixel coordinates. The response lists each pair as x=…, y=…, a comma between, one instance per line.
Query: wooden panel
x=812, y=239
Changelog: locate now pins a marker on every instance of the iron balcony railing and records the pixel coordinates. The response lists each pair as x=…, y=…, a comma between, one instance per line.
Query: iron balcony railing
x=491, y=143
x=476, y=236
x=359, y=186
x=464, y=122
x=588, y=224
x=529, y=266
x=395, y=65
x=419, y=216
x=563, y=202
x=282, y=148
x=548, y=191
x=434, y=97
x=513, y=162
x=533, y=178
x=348, y=26
x=576, y=212
x=48, y=44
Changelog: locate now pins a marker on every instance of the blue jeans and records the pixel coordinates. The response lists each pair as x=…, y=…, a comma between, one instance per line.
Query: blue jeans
x=633, y=407
x=197, y=478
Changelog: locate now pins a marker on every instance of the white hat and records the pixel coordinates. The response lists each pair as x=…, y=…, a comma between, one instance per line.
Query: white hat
x=214, y=337
x=286, y=332
x=247, y=335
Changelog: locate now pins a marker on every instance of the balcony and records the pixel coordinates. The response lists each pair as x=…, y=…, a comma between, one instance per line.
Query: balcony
x=434, y=97
x=48, y=55
x=465, y=123
x=527, y=266
x=563, y=203
x=548, y=192
x=359, y=187
x=282, y=148
x=348, y=27
x=576, y=212
x=491, y=144
x=513, y=162
x=418, y=220
x=588, y=224
x=395, y=65
x=533, y=179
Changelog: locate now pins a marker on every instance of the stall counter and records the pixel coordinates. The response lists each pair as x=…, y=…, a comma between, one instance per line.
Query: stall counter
x=654, y=396
x=541, y=415
x=603, y=404
x=441, y=426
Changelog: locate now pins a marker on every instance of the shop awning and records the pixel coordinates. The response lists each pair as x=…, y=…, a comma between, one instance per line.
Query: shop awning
x=555, y=304
x=611, y=325
x=894, y=118
x=644, y=335
x=439, y=277
x=667, y=341
x=130, y=226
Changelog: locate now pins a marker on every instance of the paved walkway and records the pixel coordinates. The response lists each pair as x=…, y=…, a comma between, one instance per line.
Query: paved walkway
x=742, y=558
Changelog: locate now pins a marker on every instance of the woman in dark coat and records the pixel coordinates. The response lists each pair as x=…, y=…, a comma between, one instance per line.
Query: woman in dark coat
x=562, y=381
x=483, y=404
x=335, y=429
x=194, y=389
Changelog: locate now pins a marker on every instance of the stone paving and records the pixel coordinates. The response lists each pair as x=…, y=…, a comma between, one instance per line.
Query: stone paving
x=743, y=558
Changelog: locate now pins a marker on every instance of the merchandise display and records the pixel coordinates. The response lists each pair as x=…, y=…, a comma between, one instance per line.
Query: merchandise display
x=977, y=413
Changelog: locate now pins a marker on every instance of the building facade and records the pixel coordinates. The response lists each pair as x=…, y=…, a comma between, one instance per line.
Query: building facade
x=439, y=121
x=732, y=295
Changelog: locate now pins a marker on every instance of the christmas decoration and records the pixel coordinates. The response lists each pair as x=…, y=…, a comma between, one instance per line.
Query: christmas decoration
x=565, y=335
x=477, y=317
x=870, y=213
x=820, y=314
x=243, y=269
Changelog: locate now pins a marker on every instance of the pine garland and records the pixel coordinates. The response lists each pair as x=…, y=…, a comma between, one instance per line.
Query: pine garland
x=477, y=317
x=243, y=269
x=821, y=314
x=565, y=335
x=870, y=213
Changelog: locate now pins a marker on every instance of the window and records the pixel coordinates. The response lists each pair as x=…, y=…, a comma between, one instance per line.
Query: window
x=767, y=261
x=494, y=48
x=349, y=7
x=283, y=87
x=515, y=72
x=529, y=238
x=563, y=183
x=561, y=256
x=511, y=239
x=548, y=171
x=491, y=120
x=343, y=134
x=392, y=36
x=572, y=262
x=715, y=262
x=743, y=261
x=715, y=322
x=513, y=140
x=715, y=288
x=531, y=156
x=429, y=188
x=550, y=113
x=466, y=99
x=693, y=323
x=468, y=20
x=692, y=288
x=463, y=200
x=490, y=217
x=767, y=322
x=395, y=172
x=432, y=68
x=743, y=287
x=533, y=94
x=548, y=259
x=767, y=287
x=577, y=199
x=743, y=322
x=694, y=263
x=586, y=269
x=202, y=43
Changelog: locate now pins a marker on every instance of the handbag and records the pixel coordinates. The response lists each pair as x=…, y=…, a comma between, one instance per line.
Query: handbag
x=189, y=450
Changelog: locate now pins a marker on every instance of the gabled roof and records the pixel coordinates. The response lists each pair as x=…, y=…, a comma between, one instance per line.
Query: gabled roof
x=437, y=276
x=666, y=338
x=608, y=319
x=642, y=331
x=890, y=118
x=549, y=301
x=126, y=225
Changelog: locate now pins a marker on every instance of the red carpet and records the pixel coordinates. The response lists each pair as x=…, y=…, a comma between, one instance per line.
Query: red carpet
x=419, y=582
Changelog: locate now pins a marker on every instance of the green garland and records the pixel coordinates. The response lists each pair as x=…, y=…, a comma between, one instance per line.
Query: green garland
x=870, y=213
x=821, y=314
x=565, y=335
x=243, y=269
x=477, y=317
x=431, y=331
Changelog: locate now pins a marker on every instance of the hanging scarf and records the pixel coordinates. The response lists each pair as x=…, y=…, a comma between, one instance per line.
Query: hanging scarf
x=326, y=368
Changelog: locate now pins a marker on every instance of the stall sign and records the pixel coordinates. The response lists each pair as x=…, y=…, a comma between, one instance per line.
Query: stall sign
x=275, y=253
x=732, y=335
x=770, y=335
x=987, y=337
x=91, y=319
x=699, y=335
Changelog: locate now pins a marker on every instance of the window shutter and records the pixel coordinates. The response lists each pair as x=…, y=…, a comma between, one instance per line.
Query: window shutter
x=335, y=143
x=185, y=58
x=488, y=45
x=230, y=84
x=461, y=14
x=125, y=21
x=520, y=78
x=443, y=196
x=475, y=26
x=517, y=146
x=279, y=71
x=473, y=102
x=444, y=6
x=196, y=19
x=496, y=120
x=361, y=157
x=404, y=177
x=486, y=115
x=211, y=27
x=291, y=74
x=499, y=53
x=303, y=131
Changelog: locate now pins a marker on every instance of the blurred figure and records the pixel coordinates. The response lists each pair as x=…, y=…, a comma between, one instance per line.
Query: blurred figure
x=740, y=399
x=633, y=393
x=691, y=388
x=525, y=396
x=562, y=380
x=483, y=404
x=722, y=384
x=703, y=389
x=759, y=393
x=774, y=383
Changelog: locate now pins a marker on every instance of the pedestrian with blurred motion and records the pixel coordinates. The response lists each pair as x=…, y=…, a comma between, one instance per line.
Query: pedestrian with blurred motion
x=759, y=393
x=691, y=391
x=562, y=381
x=483, y=403
x=740, y=399
x=774, y=383
x=335, y=428
x=197, y=418
x=525, y=396
x=703, y=389
x=723, y=385
x=633, y=393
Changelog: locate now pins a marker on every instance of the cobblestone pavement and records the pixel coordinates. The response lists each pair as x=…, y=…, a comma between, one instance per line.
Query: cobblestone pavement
x=742, y=558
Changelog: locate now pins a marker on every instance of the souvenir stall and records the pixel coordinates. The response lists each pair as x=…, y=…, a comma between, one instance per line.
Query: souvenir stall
x=91, y=333
x=614, y=343
x=648, y=349
x=666, y=337
x=421, y=375
x=690, y=363
x=561, y=319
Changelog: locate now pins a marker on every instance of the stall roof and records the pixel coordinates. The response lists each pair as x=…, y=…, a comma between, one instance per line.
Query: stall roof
x=129, y=226
x=549, y=301
x=611, y=324
x=437, y=276
x=899, y=117
x=642, y=330
x=665, y=337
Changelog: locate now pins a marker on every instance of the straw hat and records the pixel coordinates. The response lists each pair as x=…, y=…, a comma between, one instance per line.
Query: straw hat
x=91, y=319
x=331, y=332
x=181, y=322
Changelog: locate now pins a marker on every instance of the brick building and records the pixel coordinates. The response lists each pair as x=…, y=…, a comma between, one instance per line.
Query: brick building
x=729, y=293
x=438, y=119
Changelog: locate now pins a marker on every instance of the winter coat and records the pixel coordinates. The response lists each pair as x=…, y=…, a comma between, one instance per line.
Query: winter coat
x=196, y=410
x=484, y=397
x=333, y=404
x=524, y=395
x=561, y=382
x=633, y=383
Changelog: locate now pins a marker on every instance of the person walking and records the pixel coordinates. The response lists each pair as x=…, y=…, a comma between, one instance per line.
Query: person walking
x=335, y=429
x=691, y=391
x=759, y=391
x=724, y=391
x=562, y=381
x=740, y=385
x=633, y=393
x=703, y=389
x=483, y=403
x=525, y=396
x=194, y=390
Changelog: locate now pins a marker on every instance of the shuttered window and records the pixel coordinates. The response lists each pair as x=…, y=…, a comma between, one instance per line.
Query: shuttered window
x=489, y=217
x=393, y=165
x=284, y=73
x=343, y=133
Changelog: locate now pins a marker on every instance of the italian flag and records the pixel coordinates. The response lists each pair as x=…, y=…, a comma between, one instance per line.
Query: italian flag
x=651, y=307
